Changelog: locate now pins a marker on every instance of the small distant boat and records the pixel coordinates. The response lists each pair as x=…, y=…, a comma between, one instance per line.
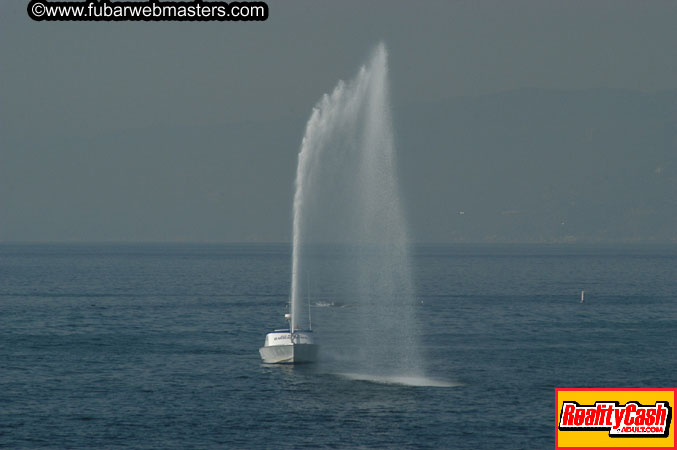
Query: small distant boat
x=582, y=296
x=328, y=304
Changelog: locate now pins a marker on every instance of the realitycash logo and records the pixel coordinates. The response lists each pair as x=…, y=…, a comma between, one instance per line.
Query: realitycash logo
x=596, y=418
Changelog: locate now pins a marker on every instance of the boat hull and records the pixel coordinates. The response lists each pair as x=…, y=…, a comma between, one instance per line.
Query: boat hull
x=289, y=354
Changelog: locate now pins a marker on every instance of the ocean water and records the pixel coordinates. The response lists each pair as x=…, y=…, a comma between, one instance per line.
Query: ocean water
x=156, y=346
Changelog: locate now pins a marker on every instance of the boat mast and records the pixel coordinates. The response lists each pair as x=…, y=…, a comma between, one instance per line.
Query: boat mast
x=292, y=310
x=310, y=321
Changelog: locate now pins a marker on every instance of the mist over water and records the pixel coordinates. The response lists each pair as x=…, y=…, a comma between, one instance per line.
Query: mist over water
x=349, y=235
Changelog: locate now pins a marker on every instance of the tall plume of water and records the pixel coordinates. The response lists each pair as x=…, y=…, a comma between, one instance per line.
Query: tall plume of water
x=347, y=195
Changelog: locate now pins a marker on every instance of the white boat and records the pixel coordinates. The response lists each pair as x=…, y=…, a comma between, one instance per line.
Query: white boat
x=283, y=347
x=290, y=347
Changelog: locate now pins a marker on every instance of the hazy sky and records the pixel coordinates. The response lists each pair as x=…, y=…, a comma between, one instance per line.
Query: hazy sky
x=189, y=131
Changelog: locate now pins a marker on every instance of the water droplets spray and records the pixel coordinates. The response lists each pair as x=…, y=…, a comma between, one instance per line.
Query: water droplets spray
x=347, y=196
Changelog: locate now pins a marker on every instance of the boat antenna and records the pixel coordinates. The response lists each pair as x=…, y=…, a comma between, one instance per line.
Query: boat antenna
x=310, y=321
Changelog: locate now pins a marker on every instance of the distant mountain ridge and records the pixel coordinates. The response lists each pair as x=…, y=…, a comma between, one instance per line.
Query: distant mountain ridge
x=529, y=165
x=536, y=165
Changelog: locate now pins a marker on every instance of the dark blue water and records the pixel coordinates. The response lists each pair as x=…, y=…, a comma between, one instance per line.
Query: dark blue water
x=153, y=346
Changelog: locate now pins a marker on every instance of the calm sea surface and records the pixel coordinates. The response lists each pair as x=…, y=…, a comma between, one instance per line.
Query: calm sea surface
x=156, y=346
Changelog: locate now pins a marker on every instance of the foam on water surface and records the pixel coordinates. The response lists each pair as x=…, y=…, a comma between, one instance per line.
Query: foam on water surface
x=412, y=380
